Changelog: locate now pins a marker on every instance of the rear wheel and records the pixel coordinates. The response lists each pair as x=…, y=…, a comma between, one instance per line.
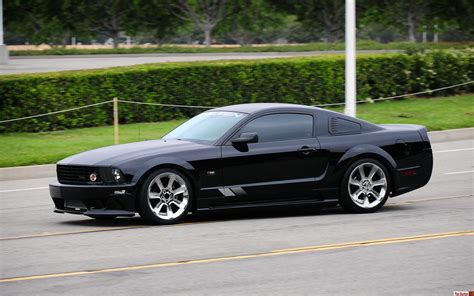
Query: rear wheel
x=165, y=197
x=365, y=186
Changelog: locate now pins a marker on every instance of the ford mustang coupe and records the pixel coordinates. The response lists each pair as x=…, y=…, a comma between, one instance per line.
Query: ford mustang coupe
x=247, y=155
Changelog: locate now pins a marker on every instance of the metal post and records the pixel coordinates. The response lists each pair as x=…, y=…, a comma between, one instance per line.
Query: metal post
x=3, y=47
x=116, y=122
x=435, y=36
x=350, y=90
x=1, y=22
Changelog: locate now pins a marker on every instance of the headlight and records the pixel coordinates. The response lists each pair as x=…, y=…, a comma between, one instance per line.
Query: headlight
x=117, y=174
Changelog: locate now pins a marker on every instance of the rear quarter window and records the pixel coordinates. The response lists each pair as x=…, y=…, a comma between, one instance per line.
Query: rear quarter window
x=338, y=125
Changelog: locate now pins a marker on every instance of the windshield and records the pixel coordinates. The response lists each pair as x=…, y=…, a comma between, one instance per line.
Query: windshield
x=207, y=126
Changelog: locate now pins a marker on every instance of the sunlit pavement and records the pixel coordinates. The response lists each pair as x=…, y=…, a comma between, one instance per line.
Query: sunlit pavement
x=36, y=64
x=427, y=245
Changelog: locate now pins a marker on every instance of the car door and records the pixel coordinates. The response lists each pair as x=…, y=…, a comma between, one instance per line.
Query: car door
x=282, y=165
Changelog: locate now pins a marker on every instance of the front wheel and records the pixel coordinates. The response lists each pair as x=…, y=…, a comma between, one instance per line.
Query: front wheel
x=365, y=186
x=165, y=197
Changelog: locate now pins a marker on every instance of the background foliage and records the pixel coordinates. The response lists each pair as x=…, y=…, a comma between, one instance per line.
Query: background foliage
x=55, y=22
x=309, y=81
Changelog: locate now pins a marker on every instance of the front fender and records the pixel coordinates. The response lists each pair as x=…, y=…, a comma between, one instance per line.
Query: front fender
x=149, y=164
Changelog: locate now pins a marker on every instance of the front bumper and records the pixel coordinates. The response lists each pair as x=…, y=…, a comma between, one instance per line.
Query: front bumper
x=93, y=200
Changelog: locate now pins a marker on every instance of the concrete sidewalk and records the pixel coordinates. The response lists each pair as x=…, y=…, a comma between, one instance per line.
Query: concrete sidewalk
x=38, y=64
x=49, y=170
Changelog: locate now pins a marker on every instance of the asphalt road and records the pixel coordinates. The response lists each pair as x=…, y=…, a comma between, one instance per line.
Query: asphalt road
x=421, y=243
x=36, y=64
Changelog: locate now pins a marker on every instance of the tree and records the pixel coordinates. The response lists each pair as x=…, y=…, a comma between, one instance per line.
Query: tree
x=153, y=17
x=206, y=14
x=325, y=17
x=411, y=16
x=457, y=14
x=42, y=21
x=404, y=14
x=107, y=17
x=255, y=19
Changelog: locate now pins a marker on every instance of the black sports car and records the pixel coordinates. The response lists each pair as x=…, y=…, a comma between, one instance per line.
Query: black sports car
x=245, y=156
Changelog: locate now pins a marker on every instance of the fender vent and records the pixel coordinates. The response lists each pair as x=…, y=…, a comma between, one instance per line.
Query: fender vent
x=333, y=125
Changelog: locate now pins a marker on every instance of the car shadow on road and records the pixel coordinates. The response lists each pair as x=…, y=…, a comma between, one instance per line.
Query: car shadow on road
x=232, y=215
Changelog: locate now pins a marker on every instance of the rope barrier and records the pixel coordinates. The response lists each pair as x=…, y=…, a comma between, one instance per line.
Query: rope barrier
x=167, y=105
x=210, y=107
x=400, y=96
x=55, y=112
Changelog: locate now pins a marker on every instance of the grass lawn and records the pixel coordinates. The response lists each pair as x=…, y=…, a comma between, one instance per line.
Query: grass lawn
x=48, y=147
x=440, y=113
x=40, y=148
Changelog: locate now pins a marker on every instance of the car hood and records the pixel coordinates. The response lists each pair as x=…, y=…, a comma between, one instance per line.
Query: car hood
x=113, y=155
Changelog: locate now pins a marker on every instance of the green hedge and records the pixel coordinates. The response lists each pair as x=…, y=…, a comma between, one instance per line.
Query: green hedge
x=310, y=81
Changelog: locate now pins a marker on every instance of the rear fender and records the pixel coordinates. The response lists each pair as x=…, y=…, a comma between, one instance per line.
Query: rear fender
x=365, y=151
x=359, y=150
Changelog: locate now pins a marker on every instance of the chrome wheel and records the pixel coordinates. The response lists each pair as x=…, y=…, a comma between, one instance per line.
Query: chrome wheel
x=168, y=196
x=367, y=185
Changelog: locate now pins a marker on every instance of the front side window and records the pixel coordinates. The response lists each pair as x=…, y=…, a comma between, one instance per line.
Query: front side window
x=280, y=127
x=207, y=126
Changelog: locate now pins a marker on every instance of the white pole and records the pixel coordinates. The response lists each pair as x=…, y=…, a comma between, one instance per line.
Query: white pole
x=1, y=22
x=350, y=59
x=3, y=47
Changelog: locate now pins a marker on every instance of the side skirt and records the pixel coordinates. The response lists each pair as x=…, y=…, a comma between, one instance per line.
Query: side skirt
x=272, y=204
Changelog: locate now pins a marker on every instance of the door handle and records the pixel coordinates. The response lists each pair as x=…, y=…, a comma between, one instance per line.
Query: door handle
x=305, y=150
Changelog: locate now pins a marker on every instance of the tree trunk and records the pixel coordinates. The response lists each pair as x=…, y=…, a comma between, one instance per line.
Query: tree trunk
x=64, y=41
x=411, y=27
x=115, y=40
x=207, y=37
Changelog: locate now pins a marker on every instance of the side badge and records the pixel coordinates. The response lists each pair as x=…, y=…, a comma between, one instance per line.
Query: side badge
x=210, y=173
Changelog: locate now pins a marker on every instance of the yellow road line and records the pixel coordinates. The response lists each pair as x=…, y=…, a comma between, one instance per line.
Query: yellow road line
x=247, y=256
x=47, y=234
x=382, y=241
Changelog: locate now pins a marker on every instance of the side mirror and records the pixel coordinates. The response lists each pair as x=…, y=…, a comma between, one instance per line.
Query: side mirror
x=246, y=138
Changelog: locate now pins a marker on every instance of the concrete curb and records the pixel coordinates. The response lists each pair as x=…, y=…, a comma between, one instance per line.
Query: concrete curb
x=49, y=170
x=28, y=172
x=451, y=135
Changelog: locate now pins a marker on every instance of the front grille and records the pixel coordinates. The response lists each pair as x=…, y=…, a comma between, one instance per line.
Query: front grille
x=77, y=174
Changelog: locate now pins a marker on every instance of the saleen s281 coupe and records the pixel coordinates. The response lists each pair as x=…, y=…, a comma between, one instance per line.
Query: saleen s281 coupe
x=246, y=156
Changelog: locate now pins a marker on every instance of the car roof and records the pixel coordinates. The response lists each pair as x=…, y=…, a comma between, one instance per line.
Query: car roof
x=257, y=107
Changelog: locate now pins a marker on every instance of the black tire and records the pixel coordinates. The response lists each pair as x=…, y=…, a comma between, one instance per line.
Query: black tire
x=345, y=200
x=145, y=208
x=103, y=217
